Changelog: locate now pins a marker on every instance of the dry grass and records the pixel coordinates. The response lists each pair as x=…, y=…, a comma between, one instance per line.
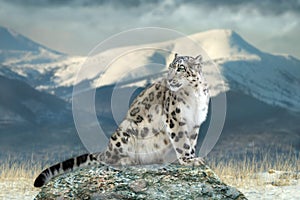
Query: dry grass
x=245, y=171
x=28, y=166
x=12, y=169
x=236, y=172
x=16, y=178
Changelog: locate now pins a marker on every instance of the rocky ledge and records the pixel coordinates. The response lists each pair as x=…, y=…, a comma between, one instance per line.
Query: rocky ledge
x=147, y=182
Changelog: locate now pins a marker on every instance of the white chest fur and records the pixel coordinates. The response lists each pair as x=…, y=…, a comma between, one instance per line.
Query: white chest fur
x=195, y=108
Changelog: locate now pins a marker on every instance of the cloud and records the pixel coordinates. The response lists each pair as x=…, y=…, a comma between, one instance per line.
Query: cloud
x=81, y=3
x=273, y=7
x=265, y=7
x=77, y=26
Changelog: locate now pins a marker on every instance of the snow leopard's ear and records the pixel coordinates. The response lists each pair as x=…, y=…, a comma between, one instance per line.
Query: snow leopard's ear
x=171, y=65
x=198, y=59
x=176, y=54
x=198, y=63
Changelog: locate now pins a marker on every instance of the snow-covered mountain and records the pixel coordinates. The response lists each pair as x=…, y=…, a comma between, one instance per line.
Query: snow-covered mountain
x=17, y=49
x=13, y=41
x=274, y=79
x=37, y=65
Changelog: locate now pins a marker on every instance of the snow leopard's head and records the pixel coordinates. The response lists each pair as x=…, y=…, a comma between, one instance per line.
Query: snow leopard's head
x=184, y=71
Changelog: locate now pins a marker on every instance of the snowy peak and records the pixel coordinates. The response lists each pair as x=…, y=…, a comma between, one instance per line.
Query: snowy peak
x=37, y=65
x=224, y=44
x=16, y=49
x=13, y=41
x=238, y=43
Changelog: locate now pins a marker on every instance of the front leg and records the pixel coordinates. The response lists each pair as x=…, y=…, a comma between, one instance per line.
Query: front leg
x=185, y=152
x=179, y=133
x=181, y=145
x=195, y=161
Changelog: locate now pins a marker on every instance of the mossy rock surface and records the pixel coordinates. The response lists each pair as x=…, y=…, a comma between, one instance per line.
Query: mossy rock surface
x=148, y=182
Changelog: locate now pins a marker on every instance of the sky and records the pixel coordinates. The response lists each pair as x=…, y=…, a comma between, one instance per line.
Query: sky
x=76, y=26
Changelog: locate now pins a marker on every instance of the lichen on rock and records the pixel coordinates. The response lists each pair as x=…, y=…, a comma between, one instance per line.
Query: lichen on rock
x=144, y=182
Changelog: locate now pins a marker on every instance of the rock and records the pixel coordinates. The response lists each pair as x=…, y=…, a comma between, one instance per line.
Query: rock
x=147, y=182
x=138, y=185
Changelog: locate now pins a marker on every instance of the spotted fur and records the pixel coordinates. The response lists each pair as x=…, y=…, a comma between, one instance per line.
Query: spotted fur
x=161, y=125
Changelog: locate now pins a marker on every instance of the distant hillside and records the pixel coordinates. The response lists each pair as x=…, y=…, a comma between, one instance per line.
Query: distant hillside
x=19, y=102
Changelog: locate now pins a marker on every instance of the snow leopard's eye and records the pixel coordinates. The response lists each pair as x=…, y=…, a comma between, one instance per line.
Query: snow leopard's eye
x=181, y=68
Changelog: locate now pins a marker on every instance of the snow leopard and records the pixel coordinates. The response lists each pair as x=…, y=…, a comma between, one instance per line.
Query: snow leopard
x=161, y=126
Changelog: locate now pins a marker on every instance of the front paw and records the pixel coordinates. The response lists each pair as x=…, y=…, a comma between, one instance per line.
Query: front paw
x=192, y=161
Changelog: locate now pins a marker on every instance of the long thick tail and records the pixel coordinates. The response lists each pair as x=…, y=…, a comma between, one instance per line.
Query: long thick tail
x=65, y=166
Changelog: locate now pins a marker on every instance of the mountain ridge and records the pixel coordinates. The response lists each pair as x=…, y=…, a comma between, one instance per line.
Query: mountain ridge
x=223, y=43
x=13, y=41
x=243, y=67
